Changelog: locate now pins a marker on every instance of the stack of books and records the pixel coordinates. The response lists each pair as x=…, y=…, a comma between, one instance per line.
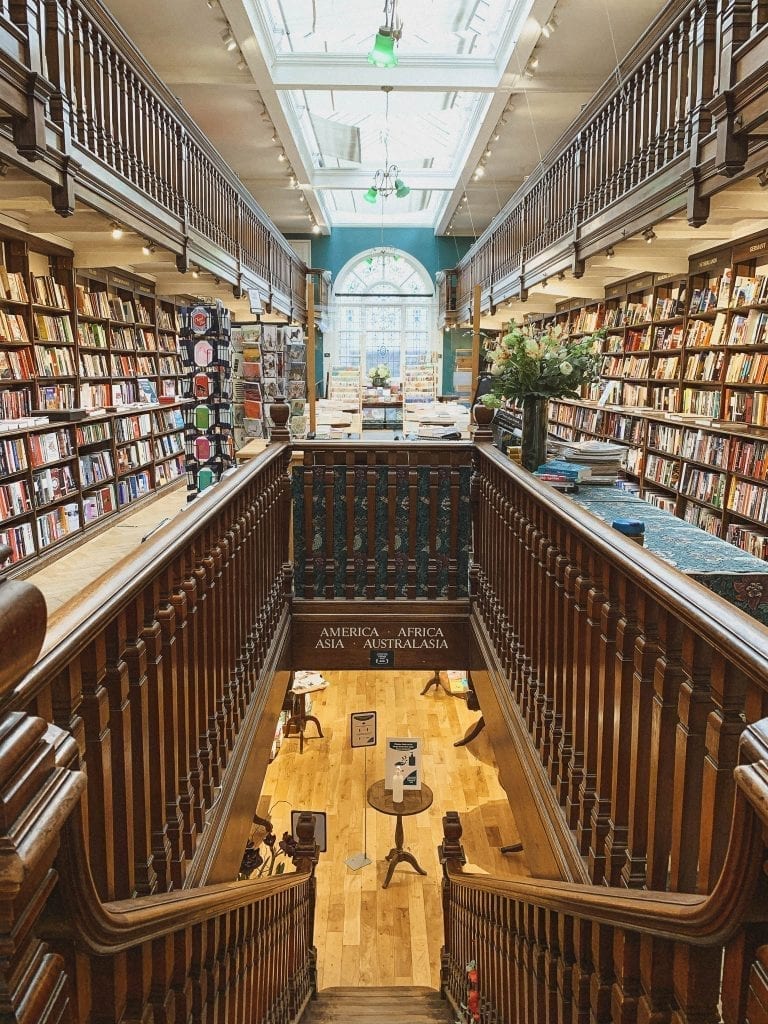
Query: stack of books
x=563, y=475
x=603, y=458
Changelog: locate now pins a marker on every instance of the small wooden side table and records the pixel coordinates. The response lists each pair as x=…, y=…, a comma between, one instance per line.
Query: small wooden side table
x=414, y=802
x=299, y=717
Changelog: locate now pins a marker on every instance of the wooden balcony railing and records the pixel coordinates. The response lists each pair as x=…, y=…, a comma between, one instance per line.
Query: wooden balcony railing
x=90, y=107
x=646, y=142
x=164, y=661
x=377, y=519
x=632, y=682
x=558, y=951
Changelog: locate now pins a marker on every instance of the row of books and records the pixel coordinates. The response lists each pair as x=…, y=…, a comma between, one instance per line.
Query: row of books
x=132, y=487
x=748, y=539
x=60, y=522
x=46, y=291
x=99, y=503
x=169, y=470
x=55, y=329
x=14, y=499
x=54, y=362
x=20, y=539
x=95, y=467
x=93, y=365
x=13, y=328
x=133, y=455
x=12, y=286
x=703, y=484
x=53, y=484
x=49, y=447
x=131, y=366
x=16, y=364
x=128, y=428
x=748, y=499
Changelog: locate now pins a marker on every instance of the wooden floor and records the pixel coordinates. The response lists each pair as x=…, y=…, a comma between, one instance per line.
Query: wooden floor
x=366, y=935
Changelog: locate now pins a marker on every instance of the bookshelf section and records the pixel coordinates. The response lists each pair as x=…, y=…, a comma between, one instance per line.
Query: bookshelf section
x=59, y=479
x=684, y=385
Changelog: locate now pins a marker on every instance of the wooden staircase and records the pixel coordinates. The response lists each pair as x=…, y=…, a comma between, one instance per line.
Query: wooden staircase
x=387, y=1005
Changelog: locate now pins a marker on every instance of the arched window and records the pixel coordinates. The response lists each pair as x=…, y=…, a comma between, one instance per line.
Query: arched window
x=384, y=312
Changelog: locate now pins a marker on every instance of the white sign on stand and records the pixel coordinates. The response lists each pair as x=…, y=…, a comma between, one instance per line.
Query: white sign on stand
x=403, y=754
x=362, y=728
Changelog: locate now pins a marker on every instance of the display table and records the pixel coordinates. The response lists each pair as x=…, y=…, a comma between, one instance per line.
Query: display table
x=384, y=405
x=414, y=802
x=724, y=569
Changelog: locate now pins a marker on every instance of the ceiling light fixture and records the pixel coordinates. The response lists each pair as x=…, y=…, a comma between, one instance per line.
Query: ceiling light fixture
x=479, y=171
x=762, y=177
x=195, y=271
x=649, y=234
x=117, y=231
x=549, y=27
x=281, y=156
x=241, y=63
x=316, y=229
x=228, y=39
x=148, y=248
x=609, y=253
x=496, y=135
x=387, y=180
x=383, y=53
x=561, y=276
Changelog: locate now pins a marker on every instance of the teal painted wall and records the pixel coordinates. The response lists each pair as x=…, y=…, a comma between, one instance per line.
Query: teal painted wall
x=331, y=252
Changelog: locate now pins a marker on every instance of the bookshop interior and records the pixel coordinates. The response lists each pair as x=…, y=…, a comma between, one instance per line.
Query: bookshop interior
x=390, y=379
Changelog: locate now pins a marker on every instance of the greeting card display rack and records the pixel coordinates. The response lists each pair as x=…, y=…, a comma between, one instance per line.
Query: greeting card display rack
x=269, y=362
x=207, y=360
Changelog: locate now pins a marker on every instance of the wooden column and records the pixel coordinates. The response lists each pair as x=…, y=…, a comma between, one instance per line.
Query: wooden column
x=476, y=293
x=311, y=352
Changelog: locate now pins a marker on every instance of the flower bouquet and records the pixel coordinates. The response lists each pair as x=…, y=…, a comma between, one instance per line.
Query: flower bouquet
x=529, y=369
x=379, y=375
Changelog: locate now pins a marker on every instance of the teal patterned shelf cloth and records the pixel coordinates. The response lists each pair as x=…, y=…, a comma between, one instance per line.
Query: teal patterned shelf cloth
x=724, y=569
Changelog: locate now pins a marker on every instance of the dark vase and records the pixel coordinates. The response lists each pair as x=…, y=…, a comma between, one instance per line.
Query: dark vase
x=534, y=434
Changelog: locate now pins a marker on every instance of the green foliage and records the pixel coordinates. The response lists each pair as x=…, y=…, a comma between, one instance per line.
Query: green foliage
x=545, y=365
x=380, y=372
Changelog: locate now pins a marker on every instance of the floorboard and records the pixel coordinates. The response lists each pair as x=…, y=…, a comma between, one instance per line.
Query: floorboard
x=366, y=935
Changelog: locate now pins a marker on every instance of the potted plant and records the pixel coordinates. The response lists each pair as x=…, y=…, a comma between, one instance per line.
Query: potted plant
x=379, y=375
x=529, y=369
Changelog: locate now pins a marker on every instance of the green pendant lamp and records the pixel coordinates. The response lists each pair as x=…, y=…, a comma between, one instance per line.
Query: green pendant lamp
x=401, y=189
x=383, y=53
x=371, y=195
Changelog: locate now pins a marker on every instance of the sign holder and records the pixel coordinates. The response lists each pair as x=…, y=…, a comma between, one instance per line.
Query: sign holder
x=362, y=733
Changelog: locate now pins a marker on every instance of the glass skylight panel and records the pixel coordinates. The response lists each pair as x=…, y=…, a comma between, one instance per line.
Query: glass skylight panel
x=435, y=27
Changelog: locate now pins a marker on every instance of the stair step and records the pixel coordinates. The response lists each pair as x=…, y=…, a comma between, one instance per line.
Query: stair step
x=387, y=1005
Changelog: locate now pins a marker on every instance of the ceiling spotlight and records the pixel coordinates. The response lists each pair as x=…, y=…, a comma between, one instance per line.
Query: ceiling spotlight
x=609, y=253
x=148, y=248
x=228, y=39
x=489, y=152
x=762, y=177
x=533, y=63
x=117, y=231
x=281, y=156
x=496, y=135
x=464, y=198
x=649, y=234
x=479, y=171
x=544, y=282
x=561, y=276
x=211, y=4
x=301, y=197
x=549, y=27
x=195, y=271
x=241, y=64
x=315, y=229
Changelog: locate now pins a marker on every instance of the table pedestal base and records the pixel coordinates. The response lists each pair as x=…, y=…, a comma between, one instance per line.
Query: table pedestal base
x=398, y=854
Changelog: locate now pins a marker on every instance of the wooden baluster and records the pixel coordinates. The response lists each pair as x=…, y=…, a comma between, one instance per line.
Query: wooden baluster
x=656, y=977
x=372, y=477
x=576, y=802
x=694, y=706
x=185, y=703
x=455, y=586
x=668, y=678
x=433, y=475
x=602, y=973
x=558, y=563
x=728, y=687
x=139, y=760
x=329, y=482
x=626, y=986
x=413, y=511
x=392, y=496
x=564, y=782
x=309, y=471
x=582, y=971
x=590, y=603
x=350, y=489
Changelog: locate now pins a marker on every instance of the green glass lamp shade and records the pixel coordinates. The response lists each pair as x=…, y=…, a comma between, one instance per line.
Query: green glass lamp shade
x=383, y=53
x=401, y=189
x=371, y=195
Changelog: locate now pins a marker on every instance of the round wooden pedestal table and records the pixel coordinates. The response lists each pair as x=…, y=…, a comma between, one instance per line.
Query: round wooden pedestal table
x=414, y=802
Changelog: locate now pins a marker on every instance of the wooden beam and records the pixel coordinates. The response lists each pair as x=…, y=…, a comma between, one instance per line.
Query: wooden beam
x=476, y=292
x=311, y=396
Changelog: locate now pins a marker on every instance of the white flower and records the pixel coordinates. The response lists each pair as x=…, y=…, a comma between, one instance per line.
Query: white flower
x=497, y=370
x=566, y=369
x=531, y=347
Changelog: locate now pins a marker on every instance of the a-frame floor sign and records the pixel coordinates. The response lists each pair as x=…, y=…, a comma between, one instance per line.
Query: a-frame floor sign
x=362, y=733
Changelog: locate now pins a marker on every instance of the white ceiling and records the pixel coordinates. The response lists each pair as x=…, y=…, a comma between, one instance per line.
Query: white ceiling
x=463, y=76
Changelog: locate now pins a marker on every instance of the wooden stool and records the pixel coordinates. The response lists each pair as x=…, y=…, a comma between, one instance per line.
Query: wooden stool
x=299, y=719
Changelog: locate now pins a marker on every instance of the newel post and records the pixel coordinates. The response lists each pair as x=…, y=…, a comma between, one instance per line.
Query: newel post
x=38, y=792
x=305, y=858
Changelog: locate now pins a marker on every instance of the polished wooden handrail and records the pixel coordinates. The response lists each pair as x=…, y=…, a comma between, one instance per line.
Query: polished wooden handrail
x=652, y=115
x=628, y=683
x=118, y=127
x=568, y=947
